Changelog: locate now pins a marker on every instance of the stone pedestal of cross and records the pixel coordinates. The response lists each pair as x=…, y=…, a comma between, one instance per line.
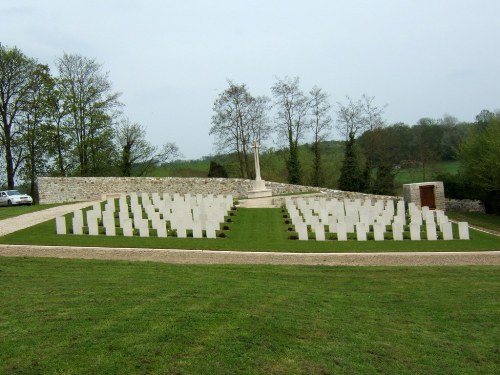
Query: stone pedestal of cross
x=259, y=189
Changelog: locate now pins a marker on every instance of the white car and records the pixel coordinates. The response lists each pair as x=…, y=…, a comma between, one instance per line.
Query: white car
x=14, y=198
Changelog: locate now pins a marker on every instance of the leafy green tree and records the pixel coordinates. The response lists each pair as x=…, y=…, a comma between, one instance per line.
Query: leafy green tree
x=16, y=75
x=217, y=170
x=480, y=154
x=90, y=107
x=351, y=175
x=36, y=128
x=291, y=121
x=384, y=180
x=65, y=160
x=351, y=122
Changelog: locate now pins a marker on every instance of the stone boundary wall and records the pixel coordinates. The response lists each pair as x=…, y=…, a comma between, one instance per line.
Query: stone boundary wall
x=464, y=205
x=75, y=189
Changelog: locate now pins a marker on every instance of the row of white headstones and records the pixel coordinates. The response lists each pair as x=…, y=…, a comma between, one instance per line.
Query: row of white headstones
x=196, y=213
x=346, y=216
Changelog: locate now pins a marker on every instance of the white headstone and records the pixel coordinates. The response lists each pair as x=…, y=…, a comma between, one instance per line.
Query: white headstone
x=415, y=231
x=361, y=231
x=431, y=230
x=128, y=231
x=61, y=225
x=447, y=230
x=397, y=232
x=463, y=230
x=378, y=231
x=341, y=232
x=319, y=232
x=161, y=229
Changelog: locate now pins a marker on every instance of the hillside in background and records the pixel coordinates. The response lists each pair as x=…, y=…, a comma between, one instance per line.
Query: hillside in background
x=273, y=167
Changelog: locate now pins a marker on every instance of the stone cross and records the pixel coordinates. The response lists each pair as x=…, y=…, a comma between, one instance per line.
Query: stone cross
x=256, y=146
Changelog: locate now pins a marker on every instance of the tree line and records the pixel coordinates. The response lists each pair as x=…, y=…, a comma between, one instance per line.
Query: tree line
x=70, y=123
x=372, y=149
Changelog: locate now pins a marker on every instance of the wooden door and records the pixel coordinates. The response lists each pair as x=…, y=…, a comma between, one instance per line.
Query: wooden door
x=427, y=196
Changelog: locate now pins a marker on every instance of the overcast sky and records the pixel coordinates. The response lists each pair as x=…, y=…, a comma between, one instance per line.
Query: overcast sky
x=170, y=59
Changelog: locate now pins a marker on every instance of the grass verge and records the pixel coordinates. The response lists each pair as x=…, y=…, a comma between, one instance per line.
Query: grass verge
x=72, y=316
x=251, y=230
x=479, y=219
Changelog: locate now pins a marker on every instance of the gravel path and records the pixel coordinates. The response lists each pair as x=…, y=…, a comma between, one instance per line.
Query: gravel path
x=227, y=257
x=16, y=223
x=238, y=257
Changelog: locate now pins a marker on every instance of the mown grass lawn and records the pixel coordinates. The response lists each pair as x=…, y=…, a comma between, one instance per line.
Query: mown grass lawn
x=487, y=221
x=250, y=230
x=99, y=317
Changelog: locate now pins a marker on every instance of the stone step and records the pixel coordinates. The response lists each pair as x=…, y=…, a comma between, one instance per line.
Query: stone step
x=257, y=203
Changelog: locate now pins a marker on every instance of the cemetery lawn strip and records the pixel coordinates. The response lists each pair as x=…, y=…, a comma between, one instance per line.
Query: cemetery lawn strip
x=479, y=219
x=86, y=316
x=256, y=229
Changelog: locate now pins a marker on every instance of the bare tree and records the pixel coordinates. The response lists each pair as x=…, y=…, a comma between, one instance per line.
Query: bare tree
x=350, y=119
x=137, y=153
x=372, y=121
x=238, y=120
x=291, y=120
x=320, y=123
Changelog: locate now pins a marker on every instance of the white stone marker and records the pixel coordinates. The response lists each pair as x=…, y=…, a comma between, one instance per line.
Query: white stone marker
x=144, y=229
x=463, y=230
x=181, y=231
x=319, y=232
x=92, y=223
x=61, y=225
x=161, y=229
x=378, y=231
x=77, y=222
x=415, y=231
x=397, y=232
x=361, y=232
x=301, y=229
x=128, y=231
x=341, y=232
x=197, y=232
x=447, y=230
x=431, y=231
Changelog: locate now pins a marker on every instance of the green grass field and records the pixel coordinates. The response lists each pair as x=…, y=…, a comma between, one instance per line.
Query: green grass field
x=477, y=218
x=414, y=175
x=250, y=230
x=97, y=317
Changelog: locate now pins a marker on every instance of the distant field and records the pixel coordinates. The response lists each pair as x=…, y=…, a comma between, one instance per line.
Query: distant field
x=412, y=175
x=98, y=317
x=273, y=169
x=190, y=168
